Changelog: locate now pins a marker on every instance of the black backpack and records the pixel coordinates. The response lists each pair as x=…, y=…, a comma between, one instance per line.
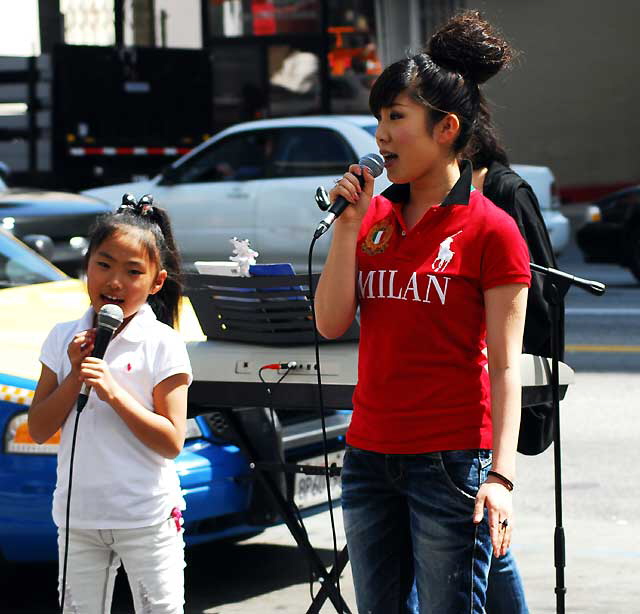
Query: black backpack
x=510, y=192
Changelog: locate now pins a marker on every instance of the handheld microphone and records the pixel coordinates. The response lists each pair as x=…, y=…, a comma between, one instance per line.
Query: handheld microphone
x=375, y=164
x=110, y=318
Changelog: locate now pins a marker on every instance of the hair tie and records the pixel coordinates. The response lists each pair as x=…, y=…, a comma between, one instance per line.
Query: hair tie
x=128, y=204
x=145, y=205
x=142, y=208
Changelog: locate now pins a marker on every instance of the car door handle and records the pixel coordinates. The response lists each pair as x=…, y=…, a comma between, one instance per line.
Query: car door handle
x=238, y=194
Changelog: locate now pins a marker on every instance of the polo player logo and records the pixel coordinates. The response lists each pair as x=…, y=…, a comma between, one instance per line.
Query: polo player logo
x=445, y=254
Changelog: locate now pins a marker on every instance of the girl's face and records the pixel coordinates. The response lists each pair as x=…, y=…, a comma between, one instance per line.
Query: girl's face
x=405, y=142
x=121, y=272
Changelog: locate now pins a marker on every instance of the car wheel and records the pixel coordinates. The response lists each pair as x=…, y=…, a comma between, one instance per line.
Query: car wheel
x=634, y=252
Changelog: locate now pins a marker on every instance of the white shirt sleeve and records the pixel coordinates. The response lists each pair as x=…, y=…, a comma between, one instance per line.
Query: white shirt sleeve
x=51, y=354
x=171, y=358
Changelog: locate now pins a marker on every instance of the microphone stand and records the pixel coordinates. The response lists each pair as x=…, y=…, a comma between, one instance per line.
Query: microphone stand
x=556, y=285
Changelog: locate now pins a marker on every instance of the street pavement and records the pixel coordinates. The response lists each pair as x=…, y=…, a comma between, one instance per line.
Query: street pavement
x=600, y=450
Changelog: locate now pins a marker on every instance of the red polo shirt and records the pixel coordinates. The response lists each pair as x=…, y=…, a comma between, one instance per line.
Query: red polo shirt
x=423, y=385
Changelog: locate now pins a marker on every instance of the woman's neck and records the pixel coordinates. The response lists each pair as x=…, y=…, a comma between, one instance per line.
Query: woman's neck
x=430, y=190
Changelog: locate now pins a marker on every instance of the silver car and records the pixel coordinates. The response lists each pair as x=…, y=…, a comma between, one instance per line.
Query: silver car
x=257, y=180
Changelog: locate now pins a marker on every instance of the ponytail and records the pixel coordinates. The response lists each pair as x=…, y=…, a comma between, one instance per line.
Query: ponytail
x=484, y=146
x=166, y=302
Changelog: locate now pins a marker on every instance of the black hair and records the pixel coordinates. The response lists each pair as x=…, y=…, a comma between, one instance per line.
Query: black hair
x=484, y=146
x=154, y=229
x=460, y=56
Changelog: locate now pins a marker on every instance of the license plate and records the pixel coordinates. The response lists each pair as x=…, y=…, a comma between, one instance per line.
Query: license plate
x=310, y=490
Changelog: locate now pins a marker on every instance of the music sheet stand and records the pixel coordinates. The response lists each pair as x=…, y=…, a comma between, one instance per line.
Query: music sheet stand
x=265, y=310
x=269, y=310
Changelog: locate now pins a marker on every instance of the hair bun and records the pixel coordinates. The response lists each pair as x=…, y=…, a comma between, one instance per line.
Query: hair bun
x=469, y=45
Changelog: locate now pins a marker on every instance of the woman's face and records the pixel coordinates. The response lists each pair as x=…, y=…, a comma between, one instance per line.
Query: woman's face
x=404, y=140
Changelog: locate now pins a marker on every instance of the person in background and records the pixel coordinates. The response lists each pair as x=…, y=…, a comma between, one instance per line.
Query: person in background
x=439, y=274
x=505, y=188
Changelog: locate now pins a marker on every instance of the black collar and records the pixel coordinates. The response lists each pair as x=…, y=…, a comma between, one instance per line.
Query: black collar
x=459, y=194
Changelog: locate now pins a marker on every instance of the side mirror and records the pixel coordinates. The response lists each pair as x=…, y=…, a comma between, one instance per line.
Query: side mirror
x=42, y=244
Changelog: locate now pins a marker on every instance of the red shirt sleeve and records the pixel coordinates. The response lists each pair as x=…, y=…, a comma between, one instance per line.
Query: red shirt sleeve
x=505, y=258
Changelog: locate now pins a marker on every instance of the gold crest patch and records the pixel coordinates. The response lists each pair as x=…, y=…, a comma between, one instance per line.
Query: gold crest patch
x=378, y=237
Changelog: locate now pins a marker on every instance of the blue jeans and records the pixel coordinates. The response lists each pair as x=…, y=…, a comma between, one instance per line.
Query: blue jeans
x=411, y=515
x=505, y=594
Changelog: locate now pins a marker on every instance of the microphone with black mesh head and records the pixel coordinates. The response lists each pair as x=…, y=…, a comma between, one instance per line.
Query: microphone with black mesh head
x=110, y=317
x=375, y=163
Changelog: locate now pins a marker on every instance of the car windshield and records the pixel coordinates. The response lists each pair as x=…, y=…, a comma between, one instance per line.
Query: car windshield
x=19, y=266
x=371, y=129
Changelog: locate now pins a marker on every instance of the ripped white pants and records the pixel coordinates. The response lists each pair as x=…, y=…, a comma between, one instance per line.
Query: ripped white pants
x=153, y=558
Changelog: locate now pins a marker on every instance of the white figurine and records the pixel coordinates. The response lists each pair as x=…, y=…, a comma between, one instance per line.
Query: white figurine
x=243, y=255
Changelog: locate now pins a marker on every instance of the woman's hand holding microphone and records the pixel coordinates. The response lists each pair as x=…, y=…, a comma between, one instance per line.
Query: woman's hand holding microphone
x=354, y=188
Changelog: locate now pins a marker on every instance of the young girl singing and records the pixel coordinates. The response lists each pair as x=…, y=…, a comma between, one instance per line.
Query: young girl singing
x=126, y=499
x=440, y=275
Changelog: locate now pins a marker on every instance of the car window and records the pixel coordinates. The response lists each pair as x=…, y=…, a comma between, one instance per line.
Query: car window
x=19, y=266
x=306, y=152
x=619, y=207
x=237, y=157
x=371, y=129
x=631, y=199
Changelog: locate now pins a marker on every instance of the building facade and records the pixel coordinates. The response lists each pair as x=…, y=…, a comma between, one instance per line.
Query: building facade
x=568, y=102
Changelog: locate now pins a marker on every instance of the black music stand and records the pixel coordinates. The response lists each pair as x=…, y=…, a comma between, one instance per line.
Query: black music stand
x=265, y=310
x=556, y=285
x=269, y=310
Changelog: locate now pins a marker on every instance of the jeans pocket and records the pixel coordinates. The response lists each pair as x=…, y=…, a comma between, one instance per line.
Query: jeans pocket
x=465, y=470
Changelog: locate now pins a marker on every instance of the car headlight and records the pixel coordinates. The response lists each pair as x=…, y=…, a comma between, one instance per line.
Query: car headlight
x=593, y=214
x=18, y=441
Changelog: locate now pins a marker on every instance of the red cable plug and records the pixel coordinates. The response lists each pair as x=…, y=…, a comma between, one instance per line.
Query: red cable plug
x=281, y=365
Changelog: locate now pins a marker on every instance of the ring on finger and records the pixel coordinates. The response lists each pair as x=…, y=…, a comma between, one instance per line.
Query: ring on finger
x=504, y=523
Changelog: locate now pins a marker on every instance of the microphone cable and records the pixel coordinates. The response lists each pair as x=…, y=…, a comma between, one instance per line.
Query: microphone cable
x=109, y=318
x=316, y=338
x=68, y=510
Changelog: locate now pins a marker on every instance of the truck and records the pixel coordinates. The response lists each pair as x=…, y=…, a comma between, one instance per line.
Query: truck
x=83, y=116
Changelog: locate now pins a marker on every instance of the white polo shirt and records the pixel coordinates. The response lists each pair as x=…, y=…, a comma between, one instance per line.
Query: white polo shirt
x=118, y=482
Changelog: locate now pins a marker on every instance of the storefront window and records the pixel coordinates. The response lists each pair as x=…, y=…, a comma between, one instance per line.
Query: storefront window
x=353, y=57
x=260, y=18
x=294, y=80
x=269, y=57
x=256, y=79
x=239, y=92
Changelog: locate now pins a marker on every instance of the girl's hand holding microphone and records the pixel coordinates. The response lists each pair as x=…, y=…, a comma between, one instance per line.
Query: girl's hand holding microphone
x=80, y=348
x=95, y=373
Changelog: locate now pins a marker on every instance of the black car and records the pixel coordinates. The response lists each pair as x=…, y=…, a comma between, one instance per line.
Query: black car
x=33, y=215
x=615, y=237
